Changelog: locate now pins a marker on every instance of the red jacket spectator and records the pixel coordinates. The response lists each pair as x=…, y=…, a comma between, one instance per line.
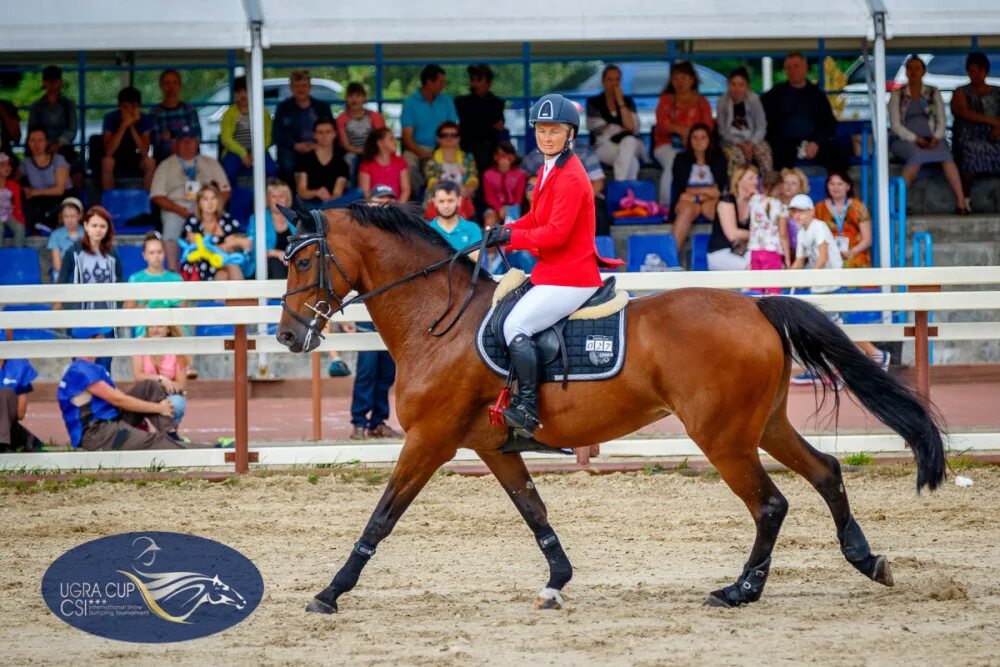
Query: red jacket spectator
x=667, y=112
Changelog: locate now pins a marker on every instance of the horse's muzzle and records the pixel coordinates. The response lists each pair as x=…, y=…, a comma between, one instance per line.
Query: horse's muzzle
x=304, y=341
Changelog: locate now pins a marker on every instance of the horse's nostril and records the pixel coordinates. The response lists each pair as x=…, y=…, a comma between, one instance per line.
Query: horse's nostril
x=285, y=337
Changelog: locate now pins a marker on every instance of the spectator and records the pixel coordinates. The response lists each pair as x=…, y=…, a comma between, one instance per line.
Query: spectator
x=16, y=376
x=917, y=116
x=423, y=113
x=450, y=163
x=235, y=137
x=216, y=225
x=699, y=179
x=480, y=116
x=355, y=123
x=382, y=194
x=457, y=231
x=727, y=248
x=503, y=186
x=176, y=183
x=294, y=120
x=277, y=230
x=47, y=176
x=768, y=243
x=817, y=248
x=742, y=125
x=154, y=253
x=98, y=416
x=127, y=136
x=63, y=237
x=679, y=108
x=793, y=181
x=11, y=211
x=172, y=117
x=533, y=161
x=614, y=126
x=848, y=220
x=976, y=107
x=320, y=174
x=167, y=370
x=10, y=129
x=56, y=114
x=380, y=165
x=800, y=122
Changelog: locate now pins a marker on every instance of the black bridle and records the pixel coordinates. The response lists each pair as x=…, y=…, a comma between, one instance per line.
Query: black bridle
x=323, y=311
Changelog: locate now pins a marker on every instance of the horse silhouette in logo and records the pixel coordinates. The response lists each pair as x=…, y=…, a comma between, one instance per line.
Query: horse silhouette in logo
x=179, y=592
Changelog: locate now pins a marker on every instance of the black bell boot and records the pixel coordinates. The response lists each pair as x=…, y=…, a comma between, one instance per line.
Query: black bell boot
x=522, y=415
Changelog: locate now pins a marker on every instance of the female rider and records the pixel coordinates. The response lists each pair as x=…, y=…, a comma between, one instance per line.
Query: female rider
x=559, y=229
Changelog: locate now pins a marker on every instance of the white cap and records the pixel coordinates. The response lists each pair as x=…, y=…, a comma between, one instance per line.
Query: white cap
x=801, y=202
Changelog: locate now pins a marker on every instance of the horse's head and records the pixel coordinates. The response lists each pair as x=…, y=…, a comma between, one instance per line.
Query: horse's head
x=323, y=268
x=220, y=592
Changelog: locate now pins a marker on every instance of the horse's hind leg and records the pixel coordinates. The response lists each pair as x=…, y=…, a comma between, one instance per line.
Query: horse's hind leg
x=510, y=471
x=784, y=443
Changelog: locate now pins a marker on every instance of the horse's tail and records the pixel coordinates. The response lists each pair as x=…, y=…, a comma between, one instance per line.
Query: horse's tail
x=825, y=350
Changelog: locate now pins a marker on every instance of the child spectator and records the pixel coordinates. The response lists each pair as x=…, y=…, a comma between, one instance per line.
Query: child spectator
x=321, y=175
x=355, y=123
x=172, y=116
x=743, y=125
x=848, y=219
x=169, y=370
x=236, y=139
x=68, y=232
x=277, y=229
x=47, y=176
x=127, y=136
x=768, y=243
x=216, y=225
x=791, y=181
x=679, y=109
x=93, y=259
x=381, y=165
x=451, y=163
x=699, y=180
x=154, y=252
x=11, y=214
x=503, y=186
x=16, y=376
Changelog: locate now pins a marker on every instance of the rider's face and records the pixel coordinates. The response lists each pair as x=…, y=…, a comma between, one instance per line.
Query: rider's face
x=551, y=137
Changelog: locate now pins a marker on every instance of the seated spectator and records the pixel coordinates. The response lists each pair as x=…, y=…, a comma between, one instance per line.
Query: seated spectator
x=727, y=247
x=976, y=130
x=423, y=112
x=236, y=139
x=800, y=122
x=355, y=123
x=457, y=231
x=679, y=108
x=56, y=114
x=127, y=136
x=614, y=126
x=768, y=244
x=793, y=181
x=63, y=237
x=381, y=165
x=176, y=183
x=168, y=370
x=480, y=116
x=98, y=416
x=154, y=252
x=848, y=220
x=917, y=116
x=172, y=117
x=294, y=120
x=699, y=179
x=742, y=125
x=215, y=225
x=503, y=186
x=321, y=175
x=16, y=376
x=382, y=194
x=277, y=230
x=451, y=163
x=11, y=211
x=10, y=129
x=47, y=177
x=532, y=162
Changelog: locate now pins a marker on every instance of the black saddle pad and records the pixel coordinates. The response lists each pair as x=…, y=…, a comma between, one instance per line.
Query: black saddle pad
x=595, y=349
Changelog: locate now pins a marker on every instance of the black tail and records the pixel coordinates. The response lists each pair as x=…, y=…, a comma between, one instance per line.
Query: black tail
x=823, y=349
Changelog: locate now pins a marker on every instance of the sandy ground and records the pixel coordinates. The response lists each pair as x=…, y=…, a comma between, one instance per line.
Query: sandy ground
x=454, y=584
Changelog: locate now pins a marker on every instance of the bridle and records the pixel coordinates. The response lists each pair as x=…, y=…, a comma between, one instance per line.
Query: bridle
x=323, y=311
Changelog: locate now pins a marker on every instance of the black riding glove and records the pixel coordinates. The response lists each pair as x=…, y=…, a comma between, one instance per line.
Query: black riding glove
x=498, y=236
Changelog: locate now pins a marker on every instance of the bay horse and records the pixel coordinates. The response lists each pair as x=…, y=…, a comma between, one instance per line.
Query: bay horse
x=718, y=360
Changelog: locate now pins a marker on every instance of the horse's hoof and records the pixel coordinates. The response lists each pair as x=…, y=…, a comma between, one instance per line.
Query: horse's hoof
x=718, y=599
x=317, y=606
x=882, y=574
x=549, y=598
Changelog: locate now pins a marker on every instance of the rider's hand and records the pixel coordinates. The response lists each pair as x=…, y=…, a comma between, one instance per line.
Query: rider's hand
x=498, y=236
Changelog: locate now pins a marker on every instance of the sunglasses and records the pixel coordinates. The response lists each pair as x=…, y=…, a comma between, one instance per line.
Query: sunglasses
x=529, y=186
x=447, y=135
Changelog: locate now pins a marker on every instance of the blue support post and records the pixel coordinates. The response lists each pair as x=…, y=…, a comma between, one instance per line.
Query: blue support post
x=526, y=76
x=925, y=258
x=821, y=56
x=379, y=73
x=81, y=109
x=865, y=161
x=231, y=71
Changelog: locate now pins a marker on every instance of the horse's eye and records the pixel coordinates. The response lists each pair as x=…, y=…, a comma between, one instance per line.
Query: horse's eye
x=303, y=264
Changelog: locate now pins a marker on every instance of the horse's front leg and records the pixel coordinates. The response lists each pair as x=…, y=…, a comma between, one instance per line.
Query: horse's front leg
x=510, y=471
x=418, y=461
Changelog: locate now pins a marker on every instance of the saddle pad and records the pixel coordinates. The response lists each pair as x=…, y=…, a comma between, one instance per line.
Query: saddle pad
x=595, y=349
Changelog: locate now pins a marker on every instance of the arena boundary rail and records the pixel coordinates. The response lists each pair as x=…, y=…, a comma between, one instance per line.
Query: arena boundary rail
x=925, y=293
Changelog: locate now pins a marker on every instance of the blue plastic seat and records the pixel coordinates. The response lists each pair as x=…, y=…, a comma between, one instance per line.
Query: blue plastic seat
x=241, y=205
x=30, y=334
x=132, y=260
x=126, y=205
x=644, y=190
x=19, y=266
x=652, y=252
x=605, y=246
x=817, y=187
x=699, y=252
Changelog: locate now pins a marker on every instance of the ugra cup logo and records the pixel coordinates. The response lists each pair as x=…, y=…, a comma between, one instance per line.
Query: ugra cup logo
x=152, y=587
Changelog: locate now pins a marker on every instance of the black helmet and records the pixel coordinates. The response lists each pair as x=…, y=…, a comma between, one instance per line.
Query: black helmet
x=554, y=108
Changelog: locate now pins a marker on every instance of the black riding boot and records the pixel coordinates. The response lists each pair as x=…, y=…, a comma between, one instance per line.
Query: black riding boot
x=523, y=412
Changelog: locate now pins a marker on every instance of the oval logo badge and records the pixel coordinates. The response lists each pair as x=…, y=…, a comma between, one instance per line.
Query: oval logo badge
x=152, y=587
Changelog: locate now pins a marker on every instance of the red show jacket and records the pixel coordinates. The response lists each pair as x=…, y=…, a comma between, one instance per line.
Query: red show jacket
x=560, y=228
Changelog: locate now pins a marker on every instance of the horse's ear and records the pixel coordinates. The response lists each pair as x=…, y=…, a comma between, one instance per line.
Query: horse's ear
x=291, y=216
